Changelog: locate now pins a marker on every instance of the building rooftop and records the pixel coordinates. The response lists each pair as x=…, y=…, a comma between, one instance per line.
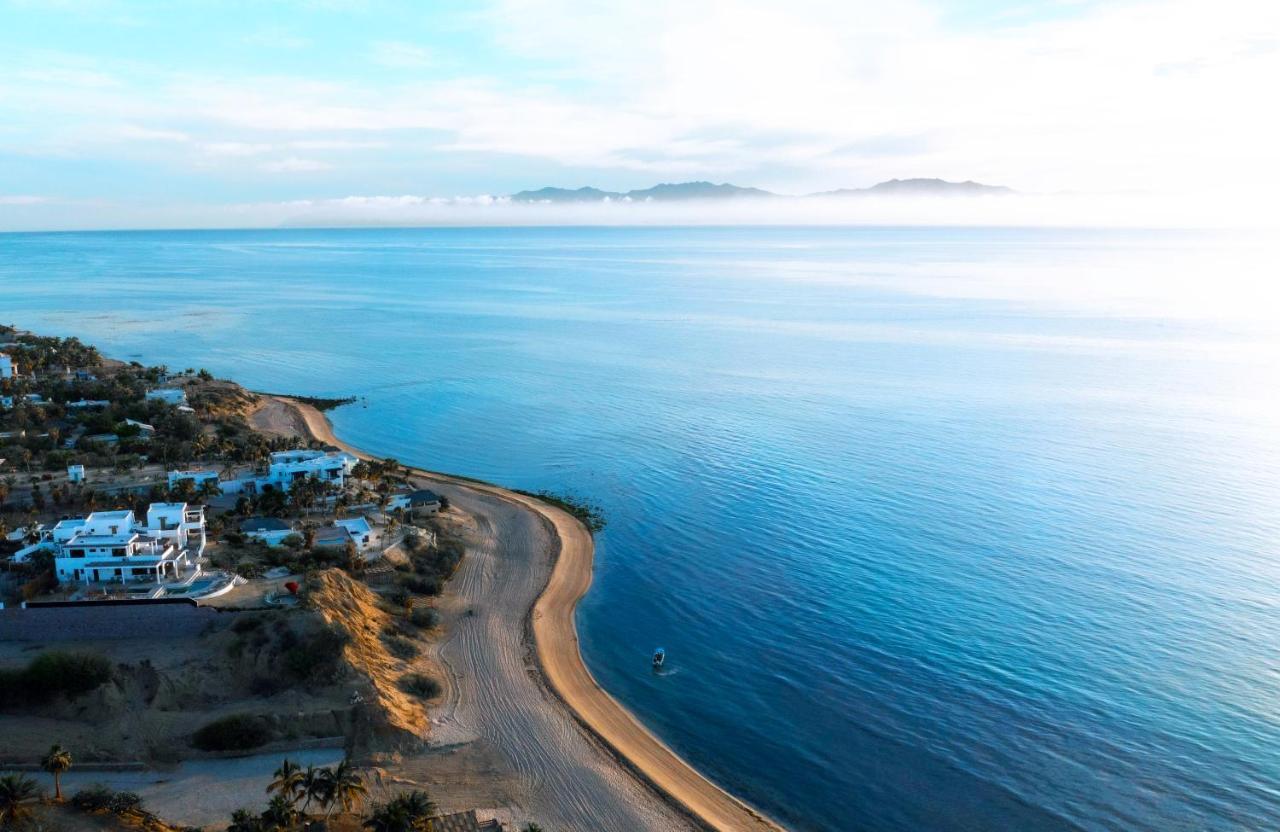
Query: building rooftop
x=332, y=534
x=101, y=539
x=355, y=525
x=119, y=513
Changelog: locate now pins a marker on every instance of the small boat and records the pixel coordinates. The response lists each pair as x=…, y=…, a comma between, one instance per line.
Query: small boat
x=659, y=656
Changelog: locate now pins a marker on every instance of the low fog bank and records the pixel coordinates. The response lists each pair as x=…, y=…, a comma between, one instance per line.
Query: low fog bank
x=1010, y=210
x=1211, y=211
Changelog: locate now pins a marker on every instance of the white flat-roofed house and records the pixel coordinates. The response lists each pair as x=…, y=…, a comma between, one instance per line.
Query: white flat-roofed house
x=287, y=467
x=8, y=369
x=168, y=395
x=270, y=530
x=75, y=473
x=88, y=404
x=420, y=501
x=359, y=529
x=112, y=546
x=122, y=557
x=181, y=523
x=354, y=529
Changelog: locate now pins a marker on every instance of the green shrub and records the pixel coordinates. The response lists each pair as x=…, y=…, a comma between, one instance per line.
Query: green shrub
x=93, y=798
x=419, y=584
x=122, y=802
x=53, y=674
x=400, y=647
x=314, y=656
x=238, y=732
x=98, y=798
x=419, y=685
x=424, y=617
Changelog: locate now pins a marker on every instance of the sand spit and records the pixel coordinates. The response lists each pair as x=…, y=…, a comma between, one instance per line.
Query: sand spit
x=587, y=761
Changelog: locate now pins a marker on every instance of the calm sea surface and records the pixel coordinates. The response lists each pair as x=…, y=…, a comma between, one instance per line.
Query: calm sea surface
x=942, y=529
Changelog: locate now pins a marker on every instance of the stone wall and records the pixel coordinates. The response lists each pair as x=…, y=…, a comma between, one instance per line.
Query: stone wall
x=77, y=622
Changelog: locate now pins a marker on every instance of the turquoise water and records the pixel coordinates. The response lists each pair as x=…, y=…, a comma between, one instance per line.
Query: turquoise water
x=941, y=529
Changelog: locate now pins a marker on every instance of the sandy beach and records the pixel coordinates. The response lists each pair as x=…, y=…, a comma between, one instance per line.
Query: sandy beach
x=584, y=761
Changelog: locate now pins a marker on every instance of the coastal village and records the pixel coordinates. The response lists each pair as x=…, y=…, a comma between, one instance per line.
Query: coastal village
x=215, y=615
x=177, y=587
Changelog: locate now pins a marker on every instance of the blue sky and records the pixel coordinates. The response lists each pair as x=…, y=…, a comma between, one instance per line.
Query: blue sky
x=118, y=112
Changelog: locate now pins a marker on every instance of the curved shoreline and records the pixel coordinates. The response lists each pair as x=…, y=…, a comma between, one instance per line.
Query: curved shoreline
x=555, y=636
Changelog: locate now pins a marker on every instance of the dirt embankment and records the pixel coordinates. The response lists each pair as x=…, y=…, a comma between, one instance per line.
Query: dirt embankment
x=394, y=718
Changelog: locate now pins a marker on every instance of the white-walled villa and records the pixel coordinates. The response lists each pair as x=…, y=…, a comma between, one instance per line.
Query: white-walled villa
x=287, y=467
x=8, y=369
x=116, y=547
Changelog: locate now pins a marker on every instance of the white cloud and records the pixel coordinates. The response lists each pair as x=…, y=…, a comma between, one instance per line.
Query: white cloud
x=294, y=164
x=807, y=95
x=401, y=55
x=23, y=199
x=235, y=148
x=337, y=144
x=150, y=134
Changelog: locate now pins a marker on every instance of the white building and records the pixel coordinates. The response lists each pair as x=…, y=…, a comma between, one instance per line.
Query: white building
x=178, y=522
x=8, y=369
x=88, y=404
x=270, y=530
x=75, y=473
x=112, y=546
x=355, y=530
x=421, y=501
x=288, y=467
x=169, y=395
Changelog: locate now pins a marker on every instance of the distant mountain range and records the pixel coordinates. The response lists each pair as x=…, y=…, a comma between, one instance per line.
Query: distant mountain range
x=677, y=192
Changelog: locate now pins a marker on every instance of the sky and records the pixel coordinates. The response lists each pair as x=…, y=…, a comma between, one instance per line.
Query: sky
x=130, y=113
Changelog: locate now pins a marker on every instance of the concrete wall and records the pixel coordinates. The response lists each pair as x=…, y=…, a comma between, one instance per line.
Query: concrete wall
x=105, y=621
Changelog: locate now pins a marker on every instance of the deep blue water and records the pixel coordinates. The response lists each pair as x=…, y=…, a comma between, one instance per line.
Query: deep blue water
x=942, y=529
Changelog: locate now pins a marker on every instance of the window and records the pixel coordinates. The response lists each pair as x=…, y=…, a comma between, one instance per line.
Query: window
x=119, y=552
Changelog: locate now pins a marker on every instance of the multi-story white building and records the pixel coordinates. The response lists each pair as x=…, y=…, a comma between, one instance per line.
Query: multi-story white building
x=8, y=369
x=114, y=546
x=288, y=467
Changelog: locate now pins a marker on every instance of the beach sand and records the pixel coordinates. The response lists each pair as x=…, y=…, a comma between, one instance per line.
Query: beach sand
x=581, y=760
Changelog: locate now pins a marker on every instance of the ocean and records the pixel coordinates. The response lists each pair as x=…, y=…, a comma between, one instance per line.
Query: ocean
x=942, y=528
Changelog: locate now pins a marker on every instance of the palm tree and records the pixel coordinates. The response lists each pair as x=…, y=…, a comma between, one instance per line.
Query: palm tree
x=287, y=781
x=410, y=812
x=16, y=790
x=346, y=787
x=314, y=786
x=418, y=804
x=57, y=762
x=387, y=817
x=280, y=813
x=242, y=820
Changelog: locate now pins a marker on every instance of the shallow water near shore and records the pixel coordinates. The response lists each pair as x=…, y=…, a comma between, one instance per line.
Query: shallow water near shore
x=941, y=528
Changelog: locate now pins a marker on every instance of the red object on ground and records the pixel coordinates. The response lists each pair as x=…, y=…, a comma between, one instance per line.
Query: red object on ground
x=292, y=586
